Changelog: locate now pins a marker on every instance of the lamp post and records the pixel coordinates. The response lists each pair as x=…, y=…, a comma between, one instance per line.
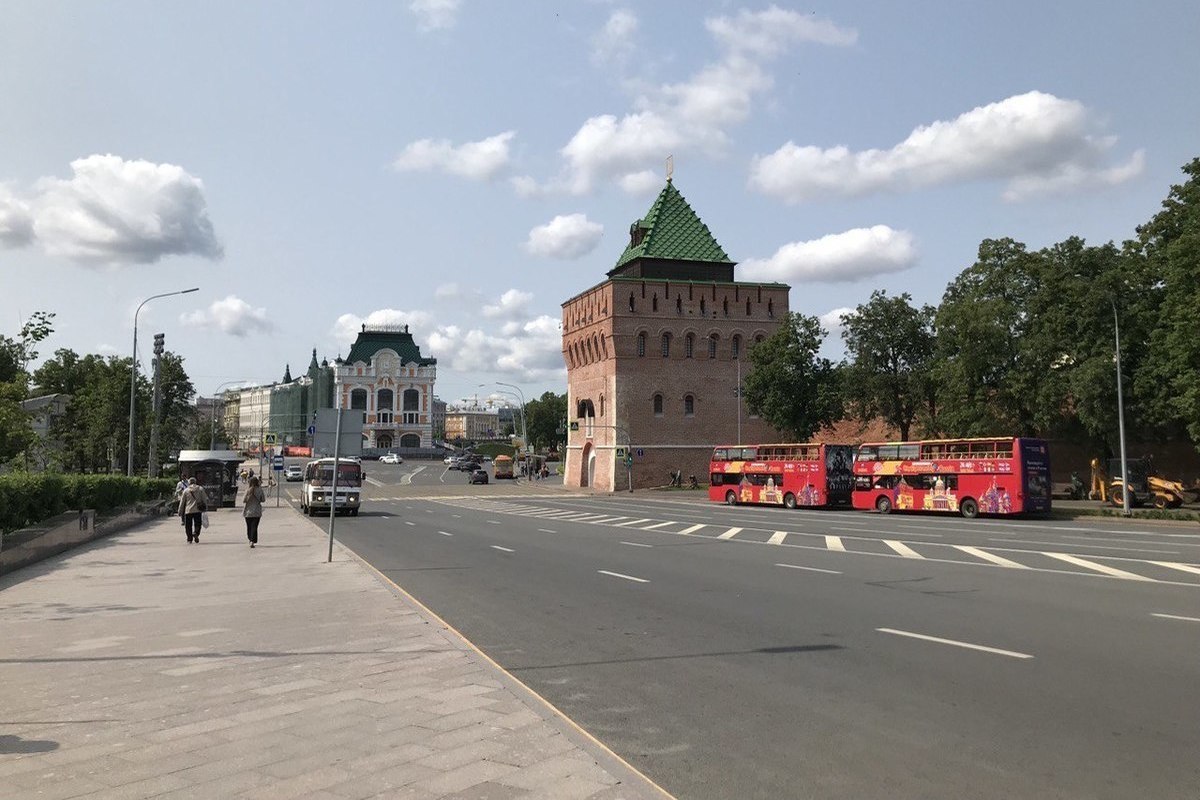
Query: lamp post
x=133, y=371
x=524, y=424
x=1121, y=417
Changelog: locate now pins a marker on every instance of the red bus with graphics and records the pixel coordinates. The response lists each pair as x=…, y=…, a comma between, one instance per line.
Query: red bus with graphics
x=1007, y=475
x=810, y=474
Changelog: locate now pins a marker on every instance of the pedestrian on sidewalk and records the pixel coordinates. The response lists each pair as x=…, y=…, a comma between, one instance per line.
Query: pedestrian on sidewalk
x=193, y=502
x=252, y=509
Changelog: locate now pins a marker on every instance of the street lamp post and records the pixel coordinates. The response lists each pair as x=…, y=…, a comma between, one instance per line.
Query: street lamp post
x=133, y=372
x=524, y=423
x=1121, y=417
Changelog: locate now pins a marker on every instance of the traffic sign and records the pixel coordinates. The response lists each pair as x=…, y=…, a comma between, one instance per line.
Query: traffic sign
x=312, y=430
x=629, y=461
x=574, y=426
x=640, y=452
x=269, y=438
x=277, y=463
x=620, y=452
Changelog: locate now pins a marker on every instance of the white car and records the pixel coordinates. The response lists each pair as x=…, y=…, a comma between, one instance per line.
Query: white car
x=390, y=458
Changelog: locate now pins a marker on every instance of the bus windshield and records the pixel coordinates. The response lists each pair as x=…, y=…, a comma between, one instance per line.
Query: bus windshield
x=348, y=475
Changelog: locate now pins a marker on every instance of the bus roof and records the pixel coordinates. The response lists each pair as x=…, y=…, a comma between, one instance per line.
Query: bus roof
x=781, y=444
x=210, y=455
x=964, y=440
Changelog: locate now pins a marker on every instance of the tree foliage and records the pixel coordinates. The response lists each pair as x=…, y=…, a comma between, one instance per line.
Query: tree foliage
x=789, y=385
x=546, y=417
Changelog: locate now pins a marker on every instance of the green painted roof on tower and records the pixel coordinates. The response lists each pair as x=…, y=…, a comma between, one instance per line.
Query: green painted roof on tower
x=371, y=340
x=672, y=231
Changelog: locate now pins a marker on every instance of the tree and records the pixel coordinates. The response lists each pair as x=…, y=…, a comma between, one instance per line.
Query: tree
x=889, y=373
x=545, y=416
x=789, y=385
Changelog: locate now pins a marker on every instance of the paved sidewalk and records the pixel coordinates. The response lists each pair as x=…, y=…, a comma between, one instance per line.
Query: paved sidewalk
x=142, y=666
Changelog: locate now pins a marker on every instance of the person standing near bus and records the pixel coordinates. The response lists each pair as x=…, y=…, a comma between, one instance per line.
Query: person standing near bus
x=252, y=509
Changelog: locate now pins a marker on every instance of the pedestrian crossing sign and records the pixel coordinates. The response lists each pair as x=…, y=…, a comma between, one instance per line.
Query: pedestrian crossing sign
x=620, y=452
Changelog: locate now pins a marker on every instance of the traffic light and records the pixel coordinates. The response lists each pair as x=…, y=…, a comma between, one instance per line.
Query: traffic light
x=158, y=343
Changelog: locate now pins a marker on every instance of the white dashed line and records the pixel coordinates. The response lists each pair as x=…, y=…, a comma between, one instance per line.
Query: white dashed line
x=1176, y=565
x=729, y=534
x=623, y=577
x=492, y=522
x=691, y=529
x=835, y=543
x=546, y=530
x=777, y=537
x=1176, y=616
x=810, y=569
x=992, y=557
x=637, y=544
x=902, y=549
x=631, y=522
x=443, y=533
x=1104, y=568
x=406, y=522
x=967, y=645
x=659, y=525
x=504, y=549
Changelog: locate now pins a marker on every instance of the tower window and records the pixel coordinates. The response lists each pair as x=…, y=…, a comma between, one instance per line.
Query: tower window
x=689, y=405
x=658, y=405
x=641, y=345
x=712, y=346
x=735, y=347
x=689, y=344
x=666, y=345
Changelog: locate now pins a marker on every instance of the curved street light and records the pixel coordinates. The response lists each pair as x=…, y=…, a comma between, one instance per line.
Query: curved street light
x=524, y=423
x=133, y=372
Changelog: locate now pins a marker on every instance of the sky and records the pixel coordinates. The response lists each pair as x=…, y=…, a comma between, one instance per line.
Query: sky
x=465, y=166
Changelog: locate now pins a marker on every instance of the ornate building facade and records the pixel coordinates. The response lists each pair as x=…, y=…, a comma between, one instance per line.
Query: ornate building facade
x=387, y=378
x=654, y=354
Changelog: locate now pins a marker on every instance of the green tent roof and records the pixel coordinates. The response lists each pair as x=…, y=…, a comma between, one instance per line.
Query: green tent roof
x=672, y=231
x=370, y=342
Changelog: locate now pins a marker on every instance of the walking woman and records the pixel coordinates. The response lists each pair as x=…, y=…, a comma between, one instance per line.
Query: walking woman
x=252, y=509
x=193, y=502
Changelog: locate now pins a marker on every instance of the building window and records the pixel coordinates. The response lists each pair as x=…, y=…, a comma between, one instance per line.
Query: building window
x=602, y=405
x=358, y=399
x=712, y=346
x=412, y=400
x=383, y=401
x=770, y=308
x=725, y=306
x=689, y=346
x=735, y=347
x=747, y=306
x=654, y=303
x=678, y=305
x=603, y=346
x=631, y=306
x=666, y=345
x=702, y=306
x=385, y=418
x=689, y=405
x=658, y=405
x=641, y=345
x=758, y=339
x=411, y=417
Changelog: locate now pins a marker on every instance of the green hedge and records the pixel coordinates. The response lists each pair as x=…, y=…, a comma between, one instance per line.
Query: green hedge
x=28, y=498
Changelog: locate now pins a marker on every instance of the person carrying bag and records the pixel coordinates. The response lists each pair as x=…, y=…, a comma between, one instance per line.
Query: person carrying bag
x=252, y=509
x=193, y=507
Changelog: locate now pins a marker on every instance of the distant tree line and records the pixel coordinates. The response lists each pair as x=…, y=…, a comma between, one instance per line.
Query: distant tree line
x=1022, y=343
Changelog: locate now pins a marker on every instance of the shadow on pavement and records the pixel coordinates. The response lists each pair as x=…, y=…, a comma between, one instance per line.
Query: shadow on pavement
x=15, y=744
x=769, y=651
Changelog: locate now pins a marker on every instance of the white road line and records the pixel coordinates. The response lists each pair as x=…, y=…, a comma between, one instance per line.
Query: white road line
x=591, y=517
x=457, y=516
x=992, y=557
x=777, y=537
x=691, y=529
x=835, y=543
x=546, y=530
x=625, y=577
x=504, y=549
x=371, y=481
x=902, y=549
x=658, y=525
x=406, y=522
x=492, y=522
x=443, y=533
x=1176, y=565
x=810, y=569
x=605, y=520
x=1176, y=616
x=967, y=645
x=729, y=534
x=637, y=544
x=631, y=522
x=1104, y=568
x=1006, y=540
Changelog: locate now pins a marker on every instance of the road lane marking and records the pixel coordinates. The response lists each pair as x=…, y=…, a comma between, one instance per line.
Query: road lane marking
x=605, y=520
x=504, y=549
x=546, y=530
x=631, y=522
x=777, y=537
x=457, y=516
x=992, y=557
x=1104, y=568
x=810, y=569
x=691, y=529
x=1176, y=565
x=1090, y=546
x=902, y=549
x=1176, y=616
x=443, y=533
x=406, y=522
x=624, y=577
x=729, y=534
x=659, y=525
x=637, y=544
x=492, y=522
x=835, y=543
x=967, y=645
x=371, y=481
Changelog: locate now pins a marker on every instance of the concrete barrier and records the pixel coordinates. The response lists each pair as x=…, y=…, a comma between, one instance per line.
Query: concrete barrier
x=66, y=531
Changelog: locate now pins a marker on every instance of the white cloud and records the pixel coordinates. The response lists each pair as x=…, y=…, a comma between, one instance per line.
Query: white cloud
x=832, y=321
x=513, y=305
x=447, y=291
x=569, y=236
x=480, y=160
x=837, y=258
x=16, y=221
x=614, y=43
x=1037, y=141
x=694, y=115
x=347, y=327
x=112, y=211
x=641, y=183
x=232, y=315
x=434, y=15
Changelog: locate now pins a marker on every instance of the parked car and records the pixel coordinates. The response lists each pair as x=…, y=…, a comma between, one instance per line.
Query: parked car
x=478, y=476
x=390, y=458
x=295, y=472
x=469, y=466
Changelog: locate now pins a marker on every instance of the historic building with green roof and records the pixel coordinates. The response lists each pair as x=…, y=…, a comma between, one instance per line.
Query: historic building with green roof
x=654, y=354
x=385, y=376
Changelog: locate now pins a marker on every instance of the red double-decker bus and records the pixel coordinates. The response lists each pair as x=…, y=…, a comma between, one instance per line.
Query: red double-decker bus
x=791, y=475
x=966, y=476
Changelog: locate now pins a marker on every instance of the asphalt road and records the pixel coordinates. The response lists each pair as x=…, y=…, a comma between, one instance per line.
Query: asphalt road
x=755, y=652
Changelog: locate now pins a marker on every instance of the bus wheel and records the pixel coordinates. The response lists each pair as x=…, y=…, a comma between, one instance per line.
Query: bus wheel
x=969, y=508
x=789, y=500
x=730, y=499
x=883, y=505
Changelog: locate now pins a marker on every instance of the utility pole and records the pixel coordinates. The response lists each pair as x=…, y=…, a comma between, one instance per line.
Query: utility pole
x=156, y=408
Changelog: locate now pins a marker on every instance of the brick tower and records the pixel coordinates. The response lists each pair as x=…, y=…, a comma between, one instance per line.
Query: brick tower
x=654, y=354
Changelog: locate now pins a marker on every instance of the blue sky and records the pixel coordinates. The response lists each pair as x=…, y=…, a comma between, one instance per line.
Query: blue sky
x=464, y=167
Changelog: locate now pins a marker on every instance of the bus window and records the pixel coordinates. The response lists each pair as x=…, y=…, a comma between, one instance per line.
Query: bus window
x=868, y=453
x=983, y=450
x=721, y=454
x=889, y=452
x=717, y=478
x=749, y=453
x=887, y=482
x=1004, y=450
x=862, y=482
x=909, y=452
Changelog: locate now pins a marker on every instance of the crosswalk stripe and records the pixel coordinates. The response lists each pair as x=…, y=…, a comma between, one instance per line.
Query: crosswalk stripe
x=692, y=528
x=1107, y=570
x=1176, y=565
x=992, y=557
x=777, y=537
x=631, y=522
x=605, y=520
x=658, y=525
x=902, y=549
x=729, y=534
x=835, y=543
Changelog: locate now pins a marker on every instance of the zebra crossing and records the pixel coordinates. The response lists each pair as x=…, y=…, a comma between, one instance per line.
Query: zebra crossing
x=1087, y=564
